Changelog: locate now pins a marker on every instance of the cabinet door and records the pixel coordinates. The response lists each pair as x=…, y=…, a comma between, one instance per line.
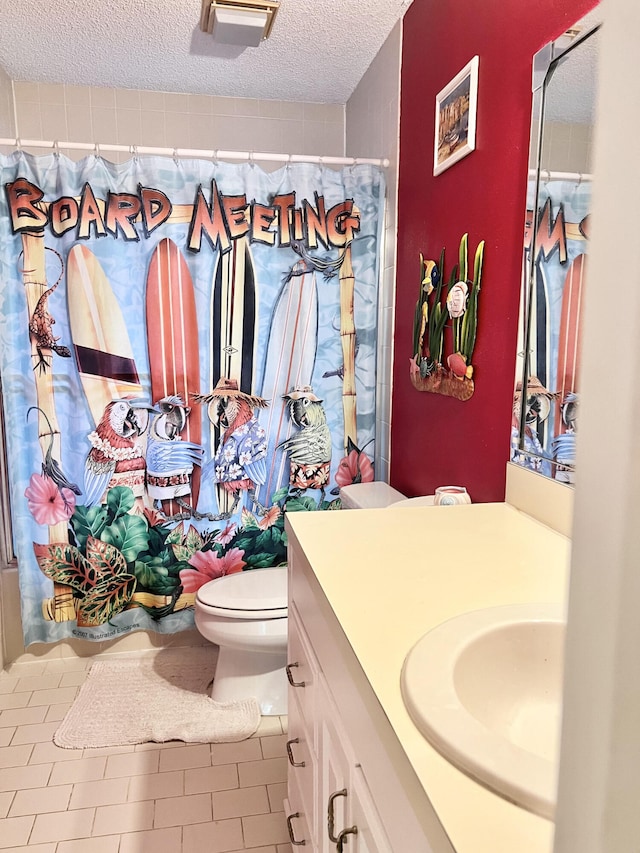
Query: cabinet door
x=370, y=836
x=335, y=761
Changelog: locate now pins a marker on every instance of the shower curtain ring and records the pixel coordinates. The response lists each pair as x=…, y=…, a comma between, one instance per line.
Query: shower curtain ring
x=56, y=149
x=133, y=150
x=96, y=150
x=251, y=160
x=18, y=144
x=176, y=159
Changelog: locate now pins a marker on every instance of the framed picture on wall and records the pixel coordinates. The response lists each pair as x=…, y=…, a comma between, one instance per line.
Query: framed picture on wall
x=455, y=135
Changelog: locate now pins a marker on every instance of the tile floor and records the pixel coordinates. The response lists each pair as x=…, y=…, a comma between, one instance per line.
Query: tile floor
x=161, y=798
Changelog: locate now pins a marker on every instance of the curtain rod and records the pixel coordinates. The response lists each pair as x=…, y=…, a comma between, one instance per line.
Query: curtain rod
x=206, y=154
x=550, y=175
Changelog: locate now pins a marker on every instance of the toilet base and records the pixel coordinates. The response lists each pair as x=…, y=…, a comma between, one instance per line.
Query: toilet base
x=241, y=674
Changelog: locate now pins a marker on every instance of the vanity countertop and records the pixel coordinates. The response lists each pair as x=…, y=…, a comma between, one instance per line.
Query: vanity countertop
x=409, y=570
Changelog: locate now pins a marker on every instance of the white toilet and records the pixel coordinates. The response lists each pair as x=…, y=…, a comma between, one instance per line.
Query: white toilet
x=245, y=614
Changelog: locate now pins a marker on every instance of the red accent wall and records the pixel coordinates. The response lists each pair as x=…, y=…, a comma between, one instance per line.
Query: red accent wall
x=437, y=440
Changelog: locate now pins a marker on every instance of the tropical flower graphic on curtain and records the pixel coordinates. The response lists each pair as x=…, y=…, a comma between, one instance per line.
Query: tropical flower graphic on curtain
x=188, y=353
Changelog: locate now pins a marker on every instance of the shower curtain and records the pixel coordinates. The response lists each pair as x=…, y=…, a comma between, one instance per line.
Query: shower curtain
x=559, y=265
x=187, y=354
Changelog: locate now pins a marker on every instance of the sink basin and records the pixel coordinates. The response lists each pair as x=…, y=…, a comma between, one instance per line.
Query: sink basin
x=485, y=689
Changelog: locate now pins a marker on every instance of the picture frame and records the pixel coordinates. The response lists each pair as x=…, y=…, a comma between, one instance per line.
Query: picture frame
x=456, y=105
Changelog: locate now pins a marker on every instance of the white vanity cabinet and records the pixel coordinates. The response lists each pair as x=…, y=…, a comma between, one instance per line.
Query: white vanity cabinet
x=329, y=805
x=350, y=787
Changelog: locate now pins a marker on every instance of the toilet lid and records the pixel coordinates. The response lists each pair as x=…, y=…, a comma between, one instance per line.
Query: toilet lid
x=256, y=590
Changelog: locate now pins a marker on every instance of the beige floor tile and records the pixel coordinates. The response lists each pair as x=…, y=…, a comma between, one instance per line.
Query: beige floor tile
x=22, y=716
x=48, y=751
x=240, y=802
x=104, y=792
x=15, y=756
x=198, y=755
x=269, y=849
x=64, y=665
x=274, y=747
x=277, y=794
x=41, y=800
x=129, y=817
x=62, y=826
x=180, y=811
x=284, y=723
x=14, y=700
x=14, y=831
x=57, y=712
x=73, y=679
x=284, y=848
x=217, y=837
x=154, y=786
x=268, y=726
x=105, y=844
x=19, y=778
x=36, y=848
x=262, y=772
x=6, y=735
x=132, y=764
x=27, y=667
x=79, y=770
x=202, y=779
x=34, y=734
x=231, y=753
x=108, y=750
x=153, y=841
x=38, y=682
x=269, y=828
x=6, y=799
x=7, y=683
x=52, y=697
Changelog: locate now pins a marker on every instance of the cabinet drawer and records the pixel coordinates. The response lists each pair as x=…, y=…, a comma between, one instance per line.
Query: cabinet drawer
x=302, y=761
x=302, y=669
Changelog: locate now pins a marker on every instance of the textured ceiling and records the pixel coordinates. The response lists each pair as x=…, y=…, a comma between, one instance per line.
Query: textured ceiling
x=318, y=50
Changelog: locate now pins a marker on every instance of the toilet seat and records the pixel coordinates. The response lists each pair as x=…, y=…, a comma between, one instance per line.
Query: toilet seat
x=252, y=594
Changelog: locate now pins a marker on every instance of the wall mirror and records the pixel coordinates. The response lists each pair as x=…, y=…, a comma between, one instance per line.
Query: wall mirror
x=546, y=397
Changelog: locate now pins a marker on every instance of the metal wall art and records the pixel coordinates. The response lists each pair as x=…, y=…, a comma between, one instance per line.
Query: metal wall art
x=439, y=302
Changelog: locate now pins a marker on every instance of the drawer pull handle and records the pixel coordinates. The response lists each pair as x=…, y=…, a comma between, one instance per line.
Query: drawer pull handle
x=292, y=838
x=342, y=838
x=331, y=818
x=292, y=760
x=293, y=683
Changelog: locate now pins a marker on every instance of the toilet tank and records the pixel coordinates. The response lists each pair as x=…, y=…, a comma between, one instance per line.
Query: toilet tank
x=369, y=495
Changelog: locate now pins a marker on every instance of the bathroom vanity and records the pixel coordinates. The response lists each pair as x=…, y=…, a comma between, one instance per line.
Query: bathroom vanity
x=363, y=590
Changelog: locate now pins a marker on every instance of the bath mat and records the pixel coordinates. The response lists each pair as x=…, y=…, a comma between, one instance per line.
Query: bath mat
x=156, y=699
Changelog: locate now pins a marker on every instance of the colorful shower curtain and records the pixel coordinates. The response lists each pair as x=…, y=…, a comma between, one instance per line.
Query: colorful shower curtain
x=187, y=354
x=559, y=263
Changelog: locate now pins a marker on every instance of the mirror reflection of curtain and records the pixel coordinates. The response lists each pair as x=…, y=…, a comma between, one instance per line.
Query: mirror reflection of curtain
x=554, y=357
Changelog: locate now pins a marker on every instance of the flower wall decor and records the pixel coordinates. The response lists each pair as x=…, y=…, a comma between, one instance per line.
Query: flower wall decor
x=452, y=306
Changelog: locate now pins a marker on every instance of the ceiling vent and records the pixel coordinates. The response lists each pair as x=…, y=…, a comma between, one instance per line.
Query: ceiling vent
x=241, y=22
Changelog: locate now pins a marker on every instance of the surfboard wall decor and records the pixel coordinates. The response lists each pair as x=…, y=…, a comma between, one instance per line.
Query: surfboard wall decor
x=188, y=354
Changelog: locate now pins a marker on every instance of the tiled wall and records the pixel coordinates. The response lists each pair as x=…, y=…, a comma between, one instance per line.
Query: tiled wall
x=567, y=147
x=372, y=126
x=7, y=128
x=166, y=119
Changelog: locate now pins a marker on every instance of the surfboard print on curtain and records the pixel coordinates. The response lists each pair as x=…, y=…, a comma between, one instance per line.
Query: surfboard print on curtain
x=187, y=354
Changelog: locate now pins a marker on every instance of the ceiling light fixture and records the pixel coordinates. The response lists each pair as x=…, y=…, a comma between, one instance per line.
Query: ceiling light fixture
x=242, y=22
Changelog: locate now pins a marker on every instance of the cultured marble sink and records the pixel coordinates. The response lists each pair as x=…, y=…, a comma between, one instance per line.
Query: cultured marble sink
x=485, y=689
